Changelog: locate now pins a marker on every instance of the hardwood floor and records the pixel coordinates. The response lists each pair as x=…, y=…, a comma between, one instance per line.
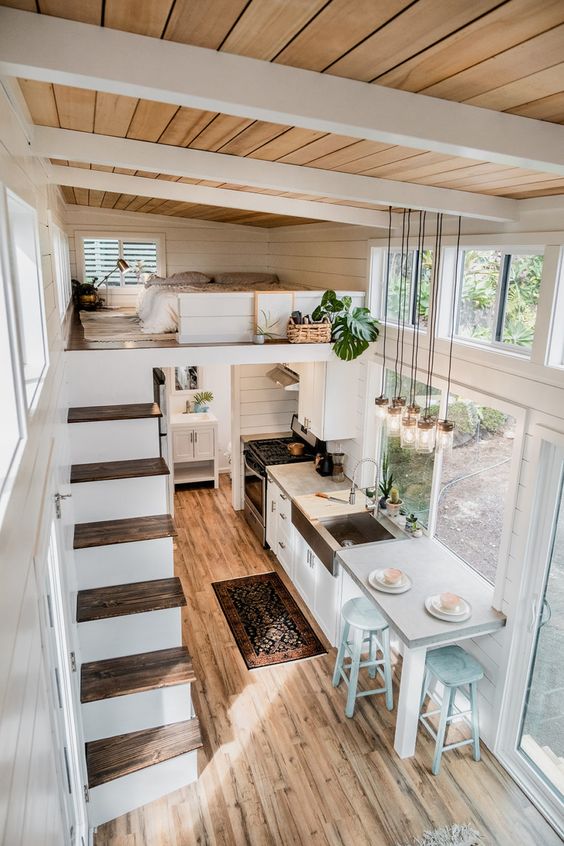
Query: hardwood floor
x=281, y=763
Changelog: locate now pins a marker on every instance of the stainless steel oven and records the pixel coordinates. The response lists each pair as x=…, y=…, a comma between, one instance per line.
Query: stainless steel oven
x=255, y=497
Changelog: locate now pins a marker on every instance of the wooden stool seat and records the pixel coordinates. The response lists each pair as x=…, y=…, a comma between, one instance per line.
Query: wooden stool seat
x=365, y=625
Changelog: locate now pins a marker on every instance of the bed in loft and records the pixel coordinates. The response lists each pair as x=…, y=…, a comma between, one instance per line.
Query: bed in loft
x=227, y=308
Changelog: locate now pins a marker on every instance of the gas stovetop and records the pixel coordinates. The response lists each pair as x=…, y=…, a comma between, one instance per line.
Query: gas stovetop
x=275, y=451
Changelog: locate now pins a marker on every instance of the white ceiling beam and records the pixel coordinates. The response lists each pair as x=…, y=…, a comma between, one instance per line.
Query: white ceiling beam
x=51, y=49
x=84, y=147
x=98, y=180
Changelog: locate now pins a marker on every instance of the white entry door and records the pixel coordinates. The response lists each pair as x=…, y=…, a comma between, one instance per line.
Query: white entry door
x=533, y=724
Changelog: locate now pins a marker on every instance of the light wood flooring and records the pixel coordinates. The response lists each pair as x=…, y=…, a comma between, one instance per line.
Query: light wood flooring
x=281, y=763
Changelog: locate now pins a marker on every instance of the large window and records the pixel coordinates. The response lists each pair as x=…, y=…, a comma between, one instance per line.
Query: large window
x=29, y=292
x=61, y=267
x=498, y=298
x=101, y=256
x=411, y=304
x=474, y=484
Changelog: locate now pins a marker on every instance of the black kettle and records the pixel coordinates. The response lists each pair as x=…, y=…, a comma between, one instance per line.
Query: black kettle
x=325, y=465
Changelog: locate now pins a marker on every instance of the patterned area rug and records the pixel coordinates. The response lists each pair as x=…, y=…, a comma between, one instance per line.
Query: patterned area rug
x=266, y=623
x=450, y=835
x=117, y=325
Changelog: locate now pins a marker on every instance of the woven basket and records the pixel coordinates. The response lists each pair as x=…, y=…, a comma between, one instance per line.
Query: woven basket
x=309, y=333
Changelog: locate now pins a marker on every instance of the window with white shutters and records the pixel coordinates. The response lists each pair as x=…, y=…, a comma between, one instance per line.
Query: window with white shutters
x=101, y=256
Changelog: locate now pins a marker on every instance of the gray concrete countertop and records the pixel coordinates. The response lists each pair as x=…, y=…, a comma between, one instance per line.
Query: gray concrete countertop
x=432, y=570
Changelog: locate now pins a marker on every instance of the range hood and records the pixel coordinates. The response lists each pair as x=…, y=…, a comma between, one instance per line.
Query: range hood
x=284, y=377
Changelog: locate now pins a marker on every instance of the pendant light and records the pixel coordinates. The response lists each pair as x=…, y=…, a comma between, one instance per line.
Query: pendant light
x=382, y=402
x=413, y=410
x=396, y=407
x=445, y=428
x=427, y=424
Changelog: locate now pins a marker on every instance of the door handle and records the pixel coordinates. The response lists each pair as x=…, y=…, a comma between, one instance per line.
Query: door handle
x=195, y=437
x=545, y=619
x=273, y=506
x=283, y=545
x=191, y=437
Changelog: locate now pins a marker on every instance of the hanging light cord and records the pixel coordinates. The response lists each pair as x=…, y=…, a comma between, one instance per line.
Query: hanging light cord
x=433, y=312
x=399, y=307
x=405, y=265
x=386, y=290
x=415, y=345
x=453, y=312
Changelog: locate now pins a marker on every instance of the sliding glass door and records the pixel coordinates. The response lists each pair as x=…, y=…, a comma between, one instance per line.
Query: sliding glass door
x=541, y=738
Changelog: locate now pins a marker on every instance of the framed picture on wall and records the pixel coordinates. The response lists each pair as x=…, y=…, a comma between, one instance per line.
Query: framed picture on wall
x=187, y=378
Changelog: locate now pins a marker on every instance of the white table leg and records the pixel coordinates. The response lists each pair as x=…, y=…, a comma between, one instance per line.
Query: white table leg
x=412, y=672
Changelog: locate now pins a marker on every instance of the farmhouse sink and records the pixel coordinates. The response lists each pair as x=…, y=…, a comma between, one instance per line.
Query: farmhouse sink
x=352, y=529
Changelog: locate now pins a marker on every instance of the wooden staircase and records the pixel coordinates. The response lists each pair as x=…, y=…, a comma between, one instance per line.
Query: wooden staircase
x=139, y=725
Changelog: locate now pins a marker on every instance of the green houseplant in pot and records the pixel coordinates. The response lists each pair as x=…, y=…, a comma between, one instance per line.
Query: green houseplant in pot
x=393, y=503
x=202, y=401
x=352, y=328
x=263, y=330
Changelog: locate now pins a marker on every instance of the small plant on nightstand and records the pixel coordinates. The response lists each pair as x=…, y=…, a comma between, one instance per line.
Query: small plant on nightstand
x=202, y=400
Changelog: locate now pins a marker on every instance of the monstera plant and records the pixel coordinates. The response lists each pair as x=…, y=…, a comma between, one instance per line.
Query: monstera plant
x=352, y=328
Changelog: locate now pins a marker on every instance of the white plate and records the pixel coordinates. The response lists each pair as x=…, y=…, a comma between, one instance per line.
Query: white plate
x=438, y=607
x=449, y=618
x=377, y=584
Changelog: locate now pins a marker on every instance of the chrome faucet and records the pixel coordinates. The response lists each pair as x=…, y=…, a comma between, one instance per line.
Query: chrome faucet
x=352, y=494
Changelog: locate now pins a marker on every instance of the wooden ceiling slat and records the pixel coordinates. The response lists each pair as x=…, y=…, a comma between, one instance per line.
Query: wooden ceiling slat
x=185, y=126
x=333, y=161
x=286, y=143
x=145, y=17
x=204, y=23
x=83, y=165
x=544, y=83
x=136, y=203
x=40, y=99
x=548, y=108
x=124, y=201
x=322, y=147
x=415, y=29
x=545, y=191
x=337, y=29
x=85, y=11
x=249, y=140
x=266, y=26
x=516, y=63
x=103, y=168
x=75, y=107
x=110, y=199
x=113, y=114
x=23, y=5
x=150, y=120
x=68, y=194
x=378, y=160
x=506, y=26
x=219, y=132
x=81, y=196
x=446, y=178
x=125, y=171
x=95, y=198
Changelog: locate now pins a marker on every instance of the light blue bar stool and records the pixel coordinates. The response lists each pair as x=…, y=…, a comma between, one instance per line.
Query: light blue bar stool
x=368, y=627
x=456, y=670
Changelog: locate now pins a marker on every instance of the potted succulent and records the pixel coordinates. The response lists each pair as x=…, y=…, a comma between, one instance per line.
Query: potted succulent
x=202, y=400
x=265, y=330
x=387, y=481
x=393, y=503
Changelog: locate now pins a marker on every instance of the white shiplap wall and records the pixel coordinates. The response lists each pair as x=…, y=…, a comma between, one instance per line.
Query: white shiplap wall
x=263, y=406
x=29, y=797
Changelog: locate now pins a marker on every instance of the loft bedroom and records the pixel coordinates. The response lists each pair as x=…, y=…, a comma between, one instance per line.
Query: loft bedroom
x=281, y=476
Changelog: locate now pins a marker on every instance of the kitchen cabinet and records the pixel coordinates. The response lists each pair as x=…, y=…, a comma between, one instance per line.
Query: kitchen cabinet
x=279, y=529
x=272, y=491
x=305, y=571
x=319, y=589
x=194, y=453
x=327, y=398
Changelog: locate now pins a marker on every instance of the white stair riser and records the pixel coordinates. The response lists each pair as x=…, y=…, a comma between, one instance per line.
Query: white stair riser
x=119, y=498
x=102, y=378
x=115, y=440
x=130, y=634
x=122, y=563
x=136, y=711
x=117, y=797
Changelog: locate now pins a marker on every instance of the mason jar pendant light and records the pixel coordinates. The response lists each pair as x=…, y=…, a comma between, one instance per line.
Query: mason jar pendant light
x=397, y=405
x=427, y=424
x=445, y=428
x=382, y=402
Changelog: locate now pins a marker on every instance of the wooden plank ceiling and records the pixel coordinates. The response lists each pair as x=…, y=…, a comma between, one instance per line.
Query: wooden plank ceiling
x=506, y=56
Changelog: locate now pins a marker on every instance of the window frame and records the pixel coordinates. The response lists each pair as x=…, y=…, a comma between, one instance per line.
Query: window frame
x=507, y=253
x=143, y=237
x=377, y=284
x=60, y=249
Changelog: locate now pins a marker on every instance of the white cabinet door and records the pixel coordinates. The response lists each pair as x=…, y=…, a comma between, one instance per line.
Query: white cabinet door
x=327, y=594
x=305, y=395
x=183, y=445
x=327, y=401
x=304, y=570
x=204, y=444
x=285, y=548
x=272, y=494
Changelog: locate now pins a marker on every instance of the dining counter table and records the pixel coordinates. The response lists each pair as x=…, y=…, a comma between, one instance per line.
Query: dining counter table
x=433, y=570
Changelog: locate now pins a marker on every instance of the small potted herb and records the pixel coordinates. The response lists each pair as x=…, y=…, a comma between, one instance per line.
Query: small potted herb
x=393, y=503
x=264, y=330
x=202, y=400
x=387, y=482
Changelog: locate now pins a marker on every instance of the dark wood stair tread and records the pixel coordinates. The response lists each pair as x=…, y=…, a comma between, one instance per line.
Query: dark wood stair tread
x=102, y=413
x=134, y=598
x=114, y=757
x=100, y=471
x=135, y=673
x=128, y=530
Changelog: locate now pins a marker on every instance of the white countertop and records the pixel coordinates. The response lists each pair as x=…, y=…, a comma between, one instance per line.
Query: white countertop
x=302, y=479
x=432, y=570
x=192, y=419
